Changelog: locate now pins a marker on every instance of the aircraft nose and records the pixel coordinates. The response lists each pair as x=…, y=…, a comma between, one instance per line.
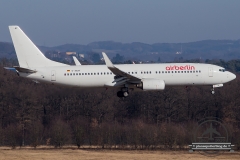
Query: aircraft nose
x=231, y=76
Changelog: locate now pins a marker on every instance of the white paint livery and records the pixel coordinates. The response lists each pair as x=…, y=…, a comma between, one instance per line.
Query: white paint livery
x=34, y=65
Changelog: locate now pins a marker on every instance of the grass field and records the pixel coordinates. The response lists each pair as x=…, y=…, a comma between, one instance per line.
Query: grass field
x=91, y=154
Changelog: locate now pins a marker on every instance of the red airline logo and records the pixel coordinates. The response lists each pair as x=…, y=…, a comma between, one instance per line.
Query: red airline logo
x=187, y=67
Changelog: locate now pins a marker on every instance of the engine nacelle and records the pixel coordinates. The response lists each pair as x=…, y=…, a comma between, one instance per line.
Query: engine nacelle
x=151, y=84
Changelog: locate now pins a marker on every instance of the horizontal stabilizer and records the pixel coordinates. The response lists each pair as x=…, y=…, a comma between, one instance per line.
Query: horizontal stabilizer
x=24, y=70
x=10, y=69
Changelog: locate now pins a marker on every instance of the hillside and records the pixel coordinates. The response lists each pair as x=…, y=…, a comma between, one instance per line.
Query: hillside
x=206, y=49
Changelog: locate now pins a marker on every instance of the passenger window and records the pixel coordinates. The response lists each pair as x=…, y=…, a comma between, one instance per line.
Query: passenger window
x=85, y=73
x=199, y=71
x=190, y=71
x=88, y=73
x=97, y=73
x=94, y=73
x=135, y=72
x=178, y=71
x=172, y=72
x=64, y=74
x=132, y=72
x=187, y=71
x=181, y=71
x=68, y=74
x=91, y=73
x=150, y=72
x=175, y=71
x=77, y=74
x=193, y=71
x=168, y=71
x=74, y=74
x=162, y=71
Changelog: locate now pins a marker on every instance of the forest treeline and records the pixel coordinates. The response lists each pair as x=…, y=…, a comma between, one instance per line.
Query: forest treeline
x=44, y=114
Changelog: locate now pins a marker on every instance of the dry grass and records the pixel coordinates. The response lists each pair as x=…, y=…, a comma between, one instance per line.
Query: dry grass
x=91, y=154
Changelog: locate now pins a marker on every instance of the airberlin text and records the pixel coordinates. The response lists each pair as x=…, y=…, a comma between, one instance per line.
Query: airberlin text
x=187, y=67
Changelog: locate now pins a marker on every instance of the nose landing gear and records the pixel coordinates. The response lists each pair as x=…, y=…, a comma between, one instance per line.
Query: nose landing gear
x=215, y=86
x=213, y=92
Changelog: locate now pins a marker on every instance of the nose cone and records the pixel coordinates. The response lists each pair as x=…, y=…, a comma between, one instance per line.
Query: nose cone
x=231, y=76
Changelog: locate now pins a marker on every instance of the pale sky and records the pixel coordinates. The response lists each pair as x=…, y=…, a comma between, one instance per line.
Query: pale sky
x=53, y=23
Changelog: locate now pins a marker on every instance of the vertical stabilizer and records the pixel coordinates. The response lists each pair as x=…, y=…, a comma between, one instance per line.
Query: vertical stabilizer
x=29, y=56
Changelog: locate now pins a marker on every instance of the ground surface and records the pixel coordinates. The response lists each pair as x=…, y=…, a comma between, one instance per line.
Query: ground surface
x=92, y=154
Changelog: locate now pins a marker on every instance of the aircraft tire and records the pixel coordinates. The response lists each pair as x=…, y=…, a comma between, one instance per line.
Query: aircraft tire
x=120, y=94
x=125, y=94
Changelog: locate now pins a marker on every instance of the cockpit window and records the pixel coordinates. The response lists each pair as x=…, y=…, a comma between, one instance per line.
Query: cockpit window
x=222, y=70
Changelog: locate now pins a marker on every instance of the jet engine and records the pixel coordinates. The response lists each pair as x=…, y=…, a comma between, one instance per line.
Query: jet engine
x=151, y=84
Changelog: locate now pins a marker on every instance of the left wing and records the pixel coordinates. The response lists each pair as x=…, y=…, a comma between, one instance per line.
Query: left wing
x=121, y=75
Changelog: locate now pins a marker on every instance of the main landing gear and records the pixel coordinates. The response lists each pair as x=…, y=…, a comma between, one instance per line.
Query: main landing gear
x=123, y=93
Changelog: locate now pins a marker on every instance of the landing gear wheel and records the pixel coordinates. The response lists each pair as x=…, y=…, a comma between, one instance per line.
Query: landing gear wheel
x=213, y=90
x=125, y=94
x=120, y=94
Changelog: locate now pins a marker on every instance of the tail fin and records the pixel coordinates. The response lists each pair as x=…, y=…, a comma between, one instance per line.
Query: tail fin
x=29, y=56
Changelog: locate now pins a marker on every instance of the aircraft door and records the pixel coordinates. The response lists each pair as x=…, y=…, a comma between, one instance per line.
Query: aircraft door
x=210, y=72
x=53, y=76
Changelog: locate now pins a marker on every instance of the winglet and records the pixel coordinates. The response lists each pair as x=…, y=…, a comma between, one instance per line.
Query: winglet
x=116, y=71
x=77, y=63
x=107, y=60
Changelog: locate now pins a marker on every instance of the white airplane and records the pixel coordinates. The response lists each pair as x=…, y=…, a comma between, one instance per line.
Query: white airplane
x=34, y=65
